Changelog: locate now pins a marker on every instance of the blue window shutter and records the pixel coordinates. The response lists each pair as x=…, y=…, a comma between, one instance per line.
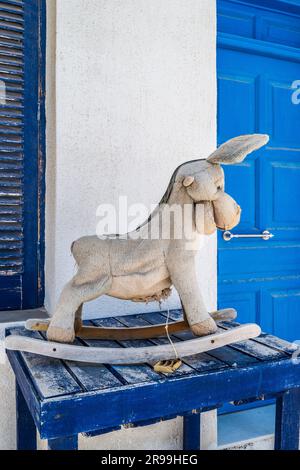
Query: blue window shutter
x=21, y=154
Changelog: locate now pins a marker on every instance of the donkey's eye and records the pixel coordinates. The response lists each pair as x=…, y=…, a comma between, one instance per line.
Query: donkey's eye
x=219, y=188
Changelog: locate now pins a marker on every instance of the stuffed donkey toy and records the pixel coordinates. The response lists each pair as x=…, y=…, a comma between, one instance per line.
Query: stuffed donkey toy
x=143, y=268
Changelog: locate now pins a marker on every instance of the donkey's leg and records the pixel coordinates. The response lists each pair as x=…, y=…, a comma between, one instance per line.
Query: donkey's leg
x=61, y=326
x=186, y=284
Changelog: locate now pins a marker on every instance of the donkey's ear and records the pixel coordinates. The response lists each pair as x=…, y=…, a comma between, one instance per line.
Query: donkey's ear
x=236, y=150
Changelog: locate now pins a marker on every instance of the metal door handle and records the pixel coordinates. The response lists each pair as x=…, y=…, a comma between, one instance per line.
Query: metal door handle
x=266, y=235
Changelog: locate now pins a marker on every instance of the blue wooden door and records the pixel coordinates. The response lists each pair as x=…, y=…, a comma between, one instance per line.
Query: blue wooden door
x=21, y=153
x=258, y=61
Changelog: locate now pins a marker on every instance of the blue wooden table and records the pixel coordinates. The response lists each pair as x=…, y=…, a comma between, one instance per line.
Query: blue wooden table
x=62, y=399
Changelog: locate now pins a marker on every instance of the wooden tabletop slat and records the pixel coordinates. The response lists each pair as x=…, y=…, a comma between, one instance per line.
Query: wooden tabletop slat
x=174, y=315
x=277, y=343
x=155, y=318
x=131, y=374
x=90, y=377
x=259, y=351
x=93, y=376
x=232, y=357
x=200, y=362
x=138, y=320
x=50, y=376
x=261, y=348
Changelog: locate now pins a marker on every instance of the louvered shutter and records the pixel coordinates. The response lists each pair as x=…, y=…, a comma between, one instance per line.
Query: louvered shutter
x=19, y=153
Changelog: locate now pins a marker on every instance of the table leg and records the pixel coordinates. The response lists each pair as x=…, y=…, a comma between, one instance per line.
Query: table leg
x=288, y=420
x=63, y=443
x=191, y=432
x=26, y=430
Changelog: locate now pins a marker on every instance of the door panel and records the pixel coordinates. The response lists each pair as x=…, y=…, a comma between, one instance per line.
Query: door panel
x=21, y=154
x=261, y=278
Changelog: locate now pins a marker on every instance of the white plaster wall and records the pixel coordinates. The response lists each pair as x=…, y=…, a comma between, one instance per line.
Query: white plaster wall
x=135, y=97
x=7, y=406
x=131, y=93
x=7, y=395
x=51, y=203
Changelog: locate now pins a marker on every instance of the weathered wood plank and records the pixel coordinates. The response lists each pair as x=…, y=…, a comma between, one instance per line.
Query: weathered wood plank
x=277, y=343
x=91, y=376
x=132, y=374
x=232, y=357
x=175, y=315
x=155, y=318
x=138, y=320
x=227, y=314
x=50, y=376
x=205, y=363
x=258, y=347
x=127, y=374
x=200, y=362
x=259, y=351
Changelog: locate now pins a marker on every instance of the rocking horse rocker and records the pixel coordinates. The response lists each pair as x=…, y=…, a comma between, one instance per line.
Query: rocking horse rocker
x=141, y=268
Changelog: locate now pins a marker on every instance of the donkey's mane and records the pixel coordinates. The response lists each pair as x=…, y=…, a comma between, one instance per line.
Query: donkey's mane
x=167, y=194
x=165, y=198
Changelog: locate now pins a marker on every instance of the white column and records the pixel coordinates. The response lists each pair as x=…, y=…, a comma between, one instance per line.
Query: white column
x=131, y=94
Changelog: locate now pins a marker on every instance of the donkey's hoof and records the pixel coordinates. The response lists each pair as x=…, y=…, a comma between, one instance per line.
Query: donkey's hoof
x=206, y=327
x=60, y=335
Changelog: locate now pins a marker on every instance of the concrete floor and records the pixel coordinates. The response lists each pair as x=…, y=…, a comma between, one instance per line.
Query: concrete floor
x=11, y=316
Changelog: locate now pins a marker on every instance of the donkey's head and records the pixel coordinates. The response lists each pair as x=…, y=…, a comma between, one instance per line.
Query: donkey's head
x=203, y=181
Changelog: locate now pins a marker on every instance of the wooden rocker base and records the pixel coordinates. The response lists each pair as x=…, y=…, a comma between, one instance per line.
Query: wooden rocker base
x=131, y=355
x=145, y=332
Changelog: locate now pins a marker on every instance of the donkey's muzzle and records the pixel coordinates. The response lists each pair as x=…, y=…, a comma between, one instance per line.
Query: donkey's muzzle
x=227, y=213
